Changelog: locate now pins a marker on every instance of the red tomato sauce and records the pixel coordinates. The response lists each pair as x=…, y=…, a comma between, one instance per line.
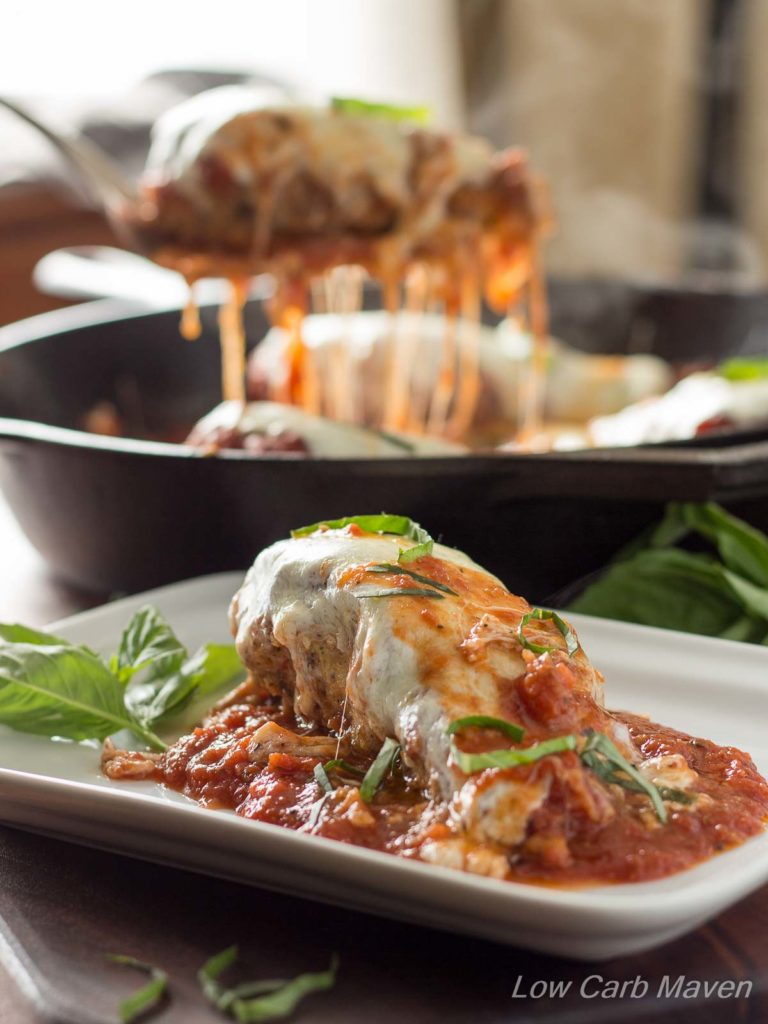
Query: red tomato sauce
x=218, y=766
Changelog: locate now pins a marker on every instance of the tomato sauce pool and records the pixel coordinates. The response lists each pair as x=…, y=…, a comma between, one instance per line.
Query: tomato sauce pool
x=220, y=766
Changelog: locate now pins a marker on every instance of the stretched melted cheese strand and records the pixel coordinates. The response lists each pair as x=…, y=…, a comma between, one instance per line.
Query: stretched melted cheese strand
x=397, y=414
x=233, y=343
x=391, y=303
x=190, y=326
x=533, y=390
x=446, y=378
x=344, y=296
x=468, y=384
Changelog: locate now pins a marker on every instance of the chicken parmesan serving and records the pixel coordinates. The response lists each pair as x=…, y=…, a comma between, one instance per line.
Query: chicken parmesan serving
x=398, y=697
x=320, y=198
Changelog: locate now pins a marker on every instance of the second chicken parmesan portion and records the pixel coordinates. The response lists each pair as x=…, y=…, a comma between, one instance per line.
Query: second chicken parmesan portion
x=233, y=188
x=321, y=198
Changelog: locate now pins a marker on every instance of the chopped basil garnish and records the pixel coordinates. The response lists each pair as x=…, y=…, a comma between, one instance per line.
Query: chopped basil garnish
x=339, y=763
x=398, y=526
x=282, y=1001
x=418, y=551
x=675, y=796
x=146, y=999
x=740, y=368
x=603, y=757
x=610, y=775
x=599, y=754
x=321, y=772
x=321, y=778
x=317, y=810
x=379, y=770
x=262, y=1000
x=403, y=592
x=471, y=763
x=511, y=729
x=391, y=567
x=545, y=615
x=389, y=111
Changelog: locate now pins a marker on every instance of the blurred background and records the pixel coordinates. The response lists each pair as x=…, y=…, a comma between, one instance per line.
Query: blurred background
x=646, y=116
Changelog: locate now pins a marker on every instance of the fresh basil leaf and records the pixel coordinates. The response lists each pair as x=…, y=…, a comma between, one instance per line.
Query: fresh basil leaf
x=13, y=633
x=667, y=588
x=146, y=999
x=388, y=111
x=381, y=767
x=672, y=528
x=398, y=526
x=746, y=629
x=753, y=599
x=212, y=669
x=62, y=690
x=743, y=549
x=148, y=642
x=472, y=763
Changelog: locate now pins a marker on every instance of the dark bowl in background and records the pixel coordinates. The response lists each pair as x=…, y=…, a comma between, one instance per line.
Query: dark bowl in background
x=115, y=514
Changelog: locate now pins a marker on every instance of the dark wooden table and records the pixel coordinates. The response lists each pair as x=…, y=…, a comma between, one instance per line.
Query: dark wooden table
x=69, y=906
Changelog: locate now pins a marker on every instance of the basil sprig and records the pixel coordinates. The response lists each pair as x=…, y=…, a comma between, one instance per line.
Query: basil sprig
x=147, y=998
x=397, y=526
x=718, y=589
x=264, y=999
x=51, y=687
x=545, y=615
x=381, y=767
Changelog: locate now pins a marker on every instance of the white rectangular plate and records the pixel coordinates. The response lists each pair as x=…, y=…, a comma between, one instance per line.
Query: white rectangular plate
x=711, y=688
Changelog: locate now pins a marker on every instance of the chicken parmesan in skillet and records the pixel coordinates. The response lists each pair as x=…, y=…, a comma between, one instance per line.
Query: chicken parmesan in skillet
x=400, y=698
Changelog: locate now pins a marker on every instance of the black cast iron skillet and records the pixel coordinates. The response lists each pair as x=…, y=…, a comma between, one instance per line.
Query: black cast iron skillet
x=115, y=514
